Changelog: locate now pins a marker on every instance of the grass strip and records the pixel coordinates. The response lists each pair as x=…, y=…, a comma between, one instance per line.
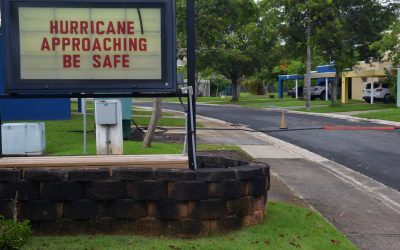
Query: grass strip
x=387, y=115
x=285, y=227
x=349, y=108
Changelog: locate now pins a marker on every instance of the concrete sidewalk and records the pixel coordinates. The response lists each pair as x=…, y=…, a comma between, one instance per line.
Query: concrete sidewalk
x=365, y=210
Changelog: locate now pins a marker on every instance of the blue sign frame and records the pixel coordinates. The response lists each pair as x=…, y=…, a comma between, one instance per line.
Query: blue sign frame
x=15, y=85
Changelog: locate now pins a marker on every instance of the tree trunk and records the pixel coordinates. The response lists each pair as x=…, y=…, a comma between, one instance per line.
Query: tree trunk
x=155, y=116
x=309, y=62
x=335, y=85
x=235, y=92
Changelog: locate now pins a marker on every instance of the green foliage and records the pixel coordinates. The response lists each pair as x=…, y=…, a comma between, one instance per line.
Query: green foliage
x=389, y=44
x=336, y=105
x=392, y=81
x=218, y=84
x=254, y=86
x=234, y=38
x=344, y=29
x=13, y=234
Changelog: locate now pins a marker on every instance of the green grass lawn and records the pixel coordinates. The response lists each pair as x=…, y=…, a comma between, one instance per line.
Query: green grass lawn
x=349, y=107
x=66, y=138
x=387, y=114
x=285, y=227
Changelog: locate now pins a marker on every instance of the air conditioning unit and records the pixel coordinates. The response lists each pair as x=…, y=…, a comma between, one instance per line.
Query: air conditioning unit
x=23, y=139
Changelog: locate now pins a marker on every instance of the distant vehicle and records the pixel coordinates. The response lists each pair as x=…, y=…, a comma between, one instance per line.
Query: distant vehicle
x=319, y=91
x=381, y=92
x=292, y=92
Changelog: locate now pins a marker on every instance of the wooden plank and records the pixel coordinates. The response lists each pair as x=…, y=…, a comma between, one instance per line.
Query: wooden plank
x=155, y=161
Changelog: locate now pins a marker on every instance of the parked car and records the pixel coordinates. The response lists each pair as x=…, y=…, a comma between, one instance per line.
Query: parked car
x=381, y=92
x=319, y=91
x=292, y=92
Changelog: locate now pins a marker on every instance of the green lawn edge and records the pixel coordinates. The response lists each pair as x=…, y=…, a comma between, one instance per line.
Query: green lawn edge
x=387, y=115
x=286, y=227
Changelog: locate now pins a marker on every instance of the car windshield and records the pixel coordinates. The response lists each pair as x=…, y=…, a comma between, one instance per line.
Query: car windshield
x=376, y=85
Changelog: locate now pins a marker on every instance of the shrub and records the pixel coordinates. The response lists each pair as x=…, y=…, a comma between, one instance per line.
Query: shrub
x=255, y=86
x=13, y=234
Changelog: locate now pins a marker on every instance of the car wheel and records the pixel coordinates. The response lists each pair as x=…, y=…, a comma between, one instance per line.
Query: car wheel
x=322, y=96
x=387, y=99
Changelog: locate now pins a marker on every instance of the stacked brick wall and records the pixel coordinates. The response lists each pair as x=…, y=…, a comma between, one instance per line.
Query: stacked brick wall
x=222, y=195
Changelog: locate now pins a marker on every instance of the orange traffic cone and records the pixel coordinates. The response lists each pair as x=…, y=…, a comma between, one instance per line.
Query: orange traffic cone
x=283, y=121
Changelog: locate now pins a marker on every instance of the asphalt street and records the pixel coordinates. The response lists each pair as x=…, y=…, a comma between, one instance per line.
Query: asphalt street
x=373, y=153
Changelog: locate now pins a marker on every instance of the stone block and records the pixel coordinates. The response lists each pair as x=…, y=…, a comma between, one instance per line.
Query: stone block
x=242, y=206
x=40, y=210
x=228, y=224
x=61, y=191
x=228, y=189
x=148, y=227
x=147, y=190
x=9, y=174
x=103, y=225
x=188, y=228
x=105, y=190
x=84, y=209
x=171, y=210
x=248, y=172
x=6, y=209
x=44, y=174
x=133, y=174
x=257, y=186
x=217, y=174
x=209, y=209
x=89, y=174
x=189, y=190
x=63, y=226
x=253, y=219
x=126, y=209
x=174, y=174
x=26, y=190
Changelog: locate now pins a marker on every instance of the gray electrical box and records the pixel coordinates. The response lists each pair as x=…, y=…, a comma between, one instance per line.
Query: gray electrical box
x=106, y=112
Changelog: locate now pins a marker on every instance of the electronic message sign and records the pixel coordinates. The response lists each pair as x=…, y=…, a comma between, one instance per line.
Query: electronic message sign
x=89, y=46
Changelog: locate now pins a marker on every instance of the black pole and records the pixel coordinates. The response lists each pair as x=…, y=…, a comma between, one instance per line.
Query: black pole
x=191, y=76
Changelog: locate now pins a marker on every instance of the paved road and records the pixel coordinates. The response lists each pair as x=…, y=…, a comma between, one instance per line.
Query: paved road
x=372, y=153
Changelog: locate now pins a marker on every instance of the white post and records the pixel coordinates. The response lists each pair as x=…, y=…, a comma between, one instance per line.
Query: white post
x=186, y=135
x=326, y=89
x=398, y=87
x=297, y=88
x=84, y=124
x=372, y=93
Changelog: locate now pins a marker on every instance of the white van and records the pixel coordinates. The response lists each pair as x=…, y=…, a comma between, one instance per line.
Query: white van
x=381, y=92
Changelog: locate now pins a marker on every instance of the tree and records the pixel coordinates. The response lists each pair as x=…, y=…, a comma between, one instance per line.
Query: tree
x=155, y=116
x=346, y=28
x=389, y=45
x=229, y=34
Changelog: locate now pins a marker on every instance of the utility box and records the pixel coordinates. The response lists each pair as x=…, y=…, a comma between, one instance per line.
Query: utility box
x=106, y=112
x=108, y=117
x=25, y=139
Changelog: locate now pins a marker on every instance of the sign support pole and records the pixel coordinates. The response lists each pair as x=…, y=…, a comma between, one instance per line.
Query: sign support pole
x=191, y=76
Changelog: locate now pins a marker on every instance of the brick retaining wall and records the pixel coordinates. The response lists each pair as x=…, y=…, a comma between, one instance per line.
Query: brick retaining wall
x=222, y=195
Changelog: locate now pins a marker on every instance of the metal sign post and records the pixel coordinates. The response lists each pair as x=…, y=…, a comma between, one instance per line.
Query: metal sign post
x=191, y=71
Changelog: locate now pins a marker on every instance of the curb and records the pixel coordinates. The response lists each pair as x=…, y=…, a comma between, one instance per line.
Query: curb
x=338, y=116
x=388, y=196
